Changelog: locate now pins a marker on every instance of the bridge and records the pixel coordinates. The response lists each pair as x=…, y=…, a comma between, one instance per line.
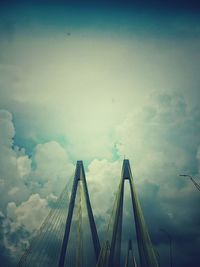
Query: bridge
x=69, y=236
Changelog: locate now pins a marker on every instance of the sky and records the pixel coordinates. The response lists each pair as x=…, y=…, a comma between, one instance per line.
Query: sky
x=99, y=82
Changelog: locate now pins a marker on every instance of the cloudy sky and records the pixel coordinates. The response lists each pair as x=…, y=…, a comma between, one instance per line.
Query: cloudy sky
x=100, y=82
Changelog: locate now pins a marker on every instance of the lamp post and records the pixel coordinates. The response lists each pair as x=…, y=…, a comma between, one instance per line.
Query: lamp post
x=193, y=181
x=170, y=244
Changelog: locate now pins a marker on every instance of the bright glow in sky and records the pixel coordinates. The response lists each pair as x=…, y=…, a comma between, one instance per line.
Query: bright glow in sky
x=82, y=80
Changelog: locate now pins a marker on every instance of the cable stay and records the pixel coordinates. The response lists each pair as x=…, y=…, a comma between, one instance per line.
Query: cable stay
x=48, y=236
x=130, y=258
x=68, y=236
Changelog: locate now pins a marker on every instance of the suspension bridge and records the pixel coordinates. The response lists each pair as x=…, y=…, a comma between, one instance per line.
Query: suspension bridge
x=69, y=236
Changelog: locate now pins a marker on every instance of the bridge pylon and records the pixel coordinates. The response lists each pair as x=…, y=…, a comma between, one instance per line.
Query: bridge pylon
x=79, y=176
x=146, y=251
x=130, y=258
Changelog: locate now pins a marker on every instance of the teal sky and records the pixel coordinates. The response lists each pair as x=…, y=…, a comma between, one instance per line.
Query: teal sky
x=57, y=57
x=97, y=83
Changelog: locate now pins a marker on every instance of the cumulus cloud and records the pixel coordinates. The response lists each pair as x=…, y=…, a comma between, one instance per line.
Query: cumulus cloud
x=159, y=135
x=29, y=214
x=52, y=168
x=162, y=141
x=10, y=164
x=103, y=178
x=48, y=169
x=28, y=187
x=24, y=165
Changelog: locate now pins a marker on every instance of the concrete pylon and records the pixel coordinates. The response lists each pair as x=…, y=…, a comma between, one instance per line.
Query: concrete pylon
x=79, y=176
x=146, y=251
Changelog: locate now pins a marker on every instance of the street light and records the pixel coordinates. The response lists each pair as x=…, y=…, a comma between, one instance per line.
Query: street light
x=193, y=181
x=170, y=244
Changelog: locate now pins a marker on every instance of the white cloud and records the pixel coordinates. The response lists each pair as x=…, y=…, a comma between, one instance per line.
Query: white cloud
x=46, y=172
x=161, y=142
x=103, y=178
x=50, y=158
x=30, y=213
x=28, y=185
x=10, y=168
x=155, y=137
x=53, y=168
x=24, y=165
